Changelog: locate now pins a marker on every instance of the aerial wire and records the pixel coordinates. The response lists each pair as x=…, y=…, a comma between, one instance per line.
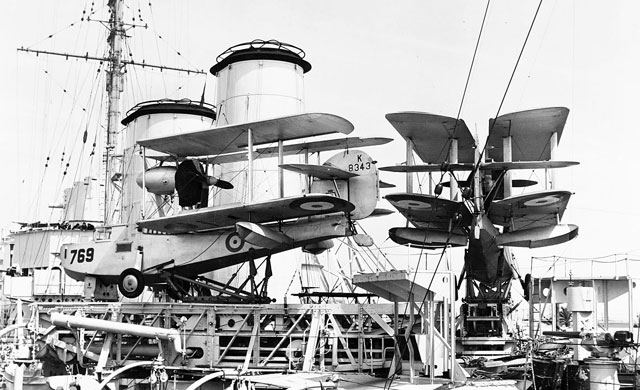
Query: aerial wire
x=473, y=60
x=535, y=16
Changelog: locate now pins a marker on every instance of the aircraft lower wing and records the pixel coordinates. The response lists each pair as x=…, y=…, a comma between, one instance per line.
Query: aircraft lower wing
x=428, y=238
x=538, y=237
x=261, y=212
x=535, y=210
x=428, y=168
x=429, y=212
x=491, y=166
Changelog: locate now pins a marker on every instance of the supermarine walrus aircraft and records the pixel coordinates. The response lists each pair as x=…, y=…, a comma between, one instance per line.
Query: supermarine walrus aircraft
x=481, y=213
x=171, y=250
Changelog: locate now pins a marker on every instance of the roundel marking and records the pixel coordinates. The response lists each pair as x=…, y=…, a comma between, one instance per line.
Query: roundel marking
x=314, y=205
x=234, y=242
x=413, y=204
x=544, y=201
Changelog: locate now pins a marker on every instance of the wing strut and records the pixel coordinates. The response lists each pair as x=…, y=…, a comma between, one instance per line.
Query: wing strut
x=280, y=169
x=409, y=177
x=250, y=152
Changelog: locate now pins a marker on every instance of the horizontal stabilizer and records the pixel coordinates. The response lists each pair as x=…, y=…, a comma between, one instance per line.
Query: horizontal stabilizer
x=322, y=172
x=262, y=236
x=224, y=139
x=426, y=238
x=380, y=212
x=384, y=184
x=318, y=247
x=538, y=237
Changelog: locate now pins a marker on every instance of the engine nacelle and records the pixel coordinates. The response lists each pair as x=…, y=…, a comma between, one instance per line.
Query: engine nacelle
x=159, y=180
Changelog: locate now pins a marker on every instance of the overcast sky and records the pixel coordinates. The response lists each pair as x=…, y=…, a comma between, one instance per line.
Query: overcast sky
x=369, y=58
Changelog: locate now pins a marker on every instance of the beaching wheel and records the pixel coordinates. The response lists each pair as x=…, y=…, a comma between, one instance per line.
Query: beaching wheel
x=131, y=283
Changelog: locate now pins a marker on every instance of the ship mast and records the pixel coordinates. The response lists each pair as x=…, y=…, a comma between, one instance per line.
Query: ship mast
x=113, y=152
x=115, y=83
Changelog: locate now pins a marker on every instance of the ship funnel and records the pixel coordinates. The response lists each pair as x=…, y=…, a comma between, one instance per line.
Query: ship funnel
x=259, y=80
x=154, y=119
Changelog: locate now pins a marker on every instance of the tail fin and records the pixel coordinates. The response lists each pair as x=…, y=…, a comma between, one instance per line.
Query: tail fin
x=362, y=190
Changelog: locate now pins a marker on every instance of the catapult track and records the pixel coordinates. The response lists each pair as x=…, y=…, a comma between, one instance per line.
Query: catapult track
x=334, y=337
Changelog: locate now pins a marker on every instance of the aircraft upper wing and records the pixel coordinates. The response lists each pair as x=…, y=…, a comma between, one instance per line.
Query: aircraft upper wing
x=528, y=211
x=268, y=211
x=225, y=139
x=426, y=211
x=531, y=131
x=431, y=135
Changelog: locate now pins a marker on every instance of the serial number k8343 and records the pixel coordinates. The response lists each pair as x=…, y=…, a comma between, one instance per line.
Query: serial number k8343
x=359, y=167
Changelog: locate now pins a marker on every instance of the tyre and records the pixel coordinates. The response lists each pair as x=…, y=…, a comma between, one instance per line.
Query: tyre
x=131, y=283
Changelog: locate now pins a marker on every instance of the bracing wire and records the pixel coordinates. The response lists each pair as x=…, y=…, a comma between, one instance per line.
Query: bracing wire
x=506, y=91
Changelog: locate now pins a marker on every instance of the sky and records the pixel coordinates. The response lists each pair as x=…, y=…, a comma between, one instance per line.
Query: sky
x=369, y=58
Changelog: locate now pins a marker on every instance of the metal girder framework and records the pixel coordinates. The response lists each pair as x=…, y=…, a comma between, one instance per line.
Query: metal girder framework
x=331, y=337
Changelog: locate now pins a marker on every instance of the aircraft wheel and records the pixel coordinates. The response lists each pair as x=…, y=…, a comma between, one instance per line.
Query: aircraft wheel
x=131, y=283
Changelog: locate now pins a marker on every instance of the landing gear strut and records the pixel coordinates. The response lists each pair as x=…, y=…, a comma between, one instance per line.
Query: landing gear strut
x=201, y=289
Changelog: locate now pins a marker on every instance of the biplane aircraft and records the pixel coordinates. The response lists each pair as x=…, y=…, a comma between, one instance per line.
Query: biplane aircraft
x=169, y=250
x=482, y=214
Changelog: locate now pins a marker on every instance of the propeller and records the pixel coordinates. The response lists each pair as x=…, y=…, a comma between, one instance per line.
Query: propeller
x=225, y=185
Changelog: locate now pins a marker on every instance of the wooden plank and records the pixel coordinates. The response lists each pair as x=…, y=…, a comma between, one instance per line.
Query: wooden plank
x=376, y=317
x=284, y=338
x=343, y=341
x=312, y=340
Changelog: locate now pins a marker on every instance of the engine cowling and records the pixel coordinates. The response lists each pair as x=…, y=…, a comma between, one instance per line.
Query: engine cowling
x=159, y=180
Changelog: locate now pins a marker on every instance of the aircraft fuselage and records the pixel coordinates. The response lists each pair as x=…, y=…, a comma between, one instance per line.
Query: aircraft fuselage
x=485, y=260
x=187, y=254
